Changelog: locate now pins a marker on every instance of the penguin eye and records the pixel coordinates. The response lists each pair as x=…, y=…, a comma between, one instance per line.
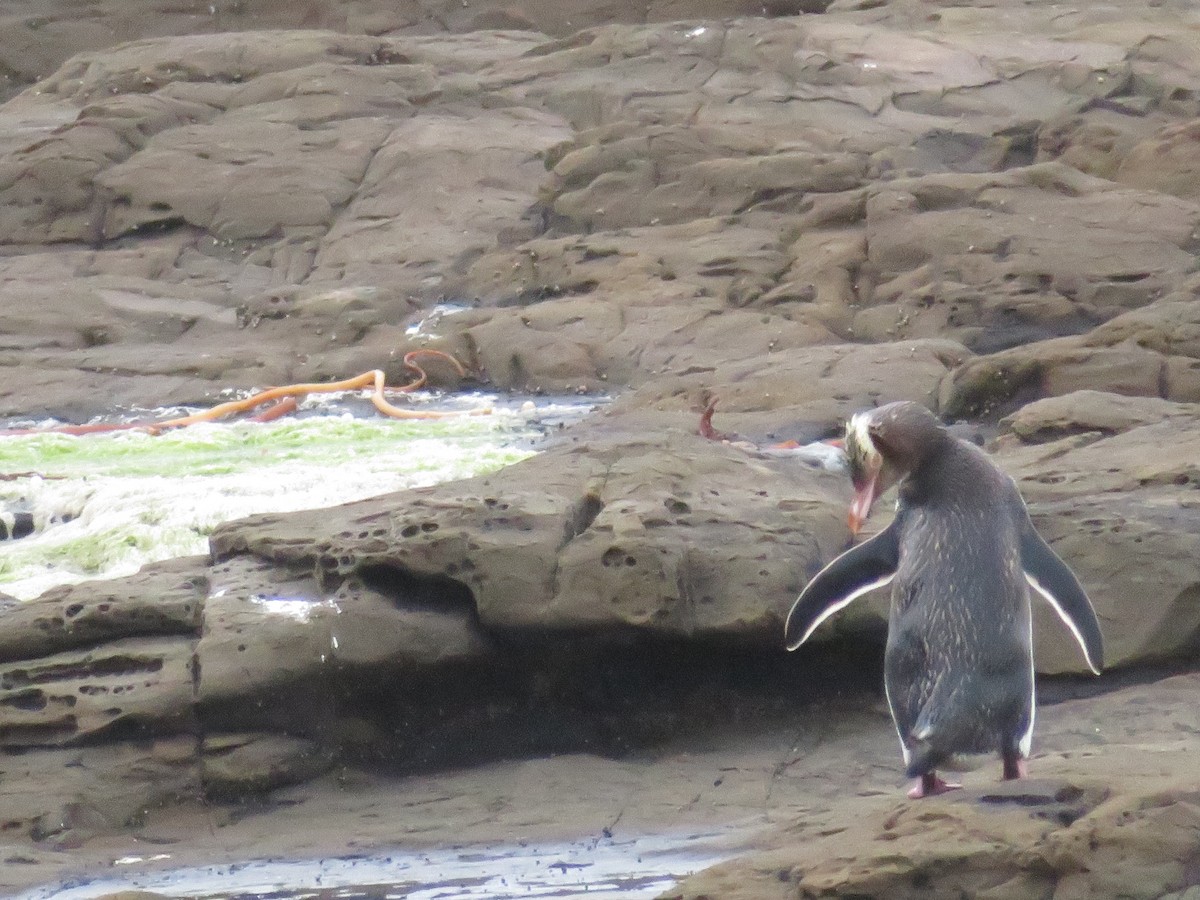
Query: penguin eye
x=875, y=432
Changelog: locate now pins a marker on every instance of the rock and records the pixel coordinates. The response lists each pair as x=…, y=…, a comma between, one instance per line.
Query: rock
x=36, y=38
x=798, y=210
x=165, y=599
x=1096, y=142
x=1166, y=162
x=1119, y=510
x=816, y=389
x=1085, y=411
x=1148, y=352
x=1113, y=816
x=71, y=696
x=839, y=195
x=946, y=257
x=668, y=534
x=241, y=765
x=268, y=636
x=67, y=797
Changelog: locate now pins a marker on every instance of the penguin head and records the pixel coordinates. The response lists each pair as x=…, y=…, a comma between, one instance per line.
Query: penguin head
x=885, y=445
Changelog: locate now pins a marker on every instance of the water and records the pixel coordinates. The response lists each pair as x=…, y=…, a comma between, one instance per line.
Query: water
x=608, y=867
x=103, y=505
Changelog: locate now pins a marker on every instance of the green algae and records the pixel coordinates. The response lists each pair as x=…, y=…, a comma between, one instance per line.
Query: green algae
x=106, y=504
x=206, y=449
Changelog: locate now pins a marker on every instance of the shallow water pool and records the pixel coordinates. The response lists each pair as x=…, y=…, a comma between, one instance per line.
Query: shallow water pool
x=605, y=867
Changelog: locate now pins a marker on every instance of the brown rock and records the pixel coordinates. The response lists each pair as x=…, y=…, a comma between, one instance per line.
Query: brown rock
x=1085, y=411
x=1113, y=816
x=164, y=599
x=1119, y=510
x=1096, y=142
x=948, y=258
x=240, y=765
x=669, y=534
x=1166, y=162
x=1148, y=352
x=269, y=633
x=71, y=696
x=819, y=386
x=64, y=798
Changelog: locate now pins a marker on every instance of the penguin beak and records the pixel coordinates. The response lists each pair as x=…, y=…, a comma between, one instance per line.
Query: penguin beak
x=866, y=470
x=864, y=497
x=865, y=492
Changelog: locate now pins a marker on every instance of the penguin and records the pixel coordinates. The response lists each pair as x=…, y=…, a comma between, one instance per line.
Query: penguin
x=961, y=556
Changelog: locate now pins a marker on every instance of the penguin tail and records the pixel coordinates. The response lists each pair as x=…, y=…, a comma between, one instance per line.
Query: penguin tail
x=923, y=758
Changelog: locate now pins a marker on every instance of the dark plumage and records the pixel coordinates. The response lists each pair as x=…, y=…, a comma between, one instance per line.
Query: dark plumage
x=961, y=555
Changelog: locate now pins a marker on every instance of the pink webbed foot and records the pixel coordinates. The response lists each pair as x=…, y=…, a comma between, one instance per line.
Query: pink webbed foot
x=930, y=785
x=1014, y=768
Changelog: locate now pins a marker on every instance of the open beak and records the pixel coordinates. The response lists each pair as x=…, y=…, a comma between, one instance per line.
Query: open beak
x=866, y=490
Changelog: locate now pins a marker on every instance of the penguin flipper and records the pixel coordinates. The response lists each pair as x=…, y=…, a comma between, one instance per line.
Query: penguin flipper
x=860, y=569
x=1049, y=576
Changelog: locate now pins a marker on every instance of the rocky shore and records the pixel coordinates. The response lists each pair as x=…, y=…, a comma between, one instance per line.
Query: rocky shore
x=796, y=209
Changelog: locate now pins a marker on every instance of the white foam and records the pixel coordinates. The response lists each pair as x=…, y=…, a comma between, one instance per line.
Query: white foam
x=105, y=505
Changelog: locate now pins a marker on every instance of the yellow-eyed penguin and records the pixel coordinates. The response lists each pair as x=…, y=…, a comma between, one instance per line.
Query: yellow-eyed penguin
x=961, y=555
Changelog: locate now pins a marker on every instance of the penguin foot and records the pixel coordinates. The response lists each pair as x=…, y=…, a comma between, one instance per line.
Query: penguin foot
x=930, y=785
x=1014, y=768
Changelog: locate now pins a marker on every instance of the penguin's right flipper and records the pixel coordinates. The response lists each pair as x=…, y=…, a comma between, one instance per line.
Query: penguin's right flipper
x=1050, y=576
x=860, y=569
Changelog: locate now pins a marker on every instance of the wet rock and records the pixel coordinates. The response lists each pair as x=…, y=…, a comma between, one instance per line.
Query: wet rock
x=270, y=635
x=92, y=694
x=240, y=765
x=165, y=599
x=74, y=794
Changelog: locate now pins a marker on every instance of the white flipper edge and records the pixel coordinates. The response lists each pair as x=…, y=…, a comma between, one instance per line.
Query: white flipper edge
x=842, y=604
x=1050, y=598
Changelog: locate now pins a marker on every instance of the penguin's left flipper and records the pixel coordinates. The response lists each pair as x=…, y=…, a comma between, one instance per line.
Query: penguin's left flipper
x=1050, y=577
x=860, y=569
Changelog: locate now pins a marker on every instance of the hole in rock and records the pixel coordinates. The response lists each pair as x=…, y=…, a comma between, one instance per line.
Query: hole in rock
x=613, y=556
x=105, y=667
x=409, y=590
x=565, y=694
x=584, y=514
x=158, y=226
x=30, y=701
